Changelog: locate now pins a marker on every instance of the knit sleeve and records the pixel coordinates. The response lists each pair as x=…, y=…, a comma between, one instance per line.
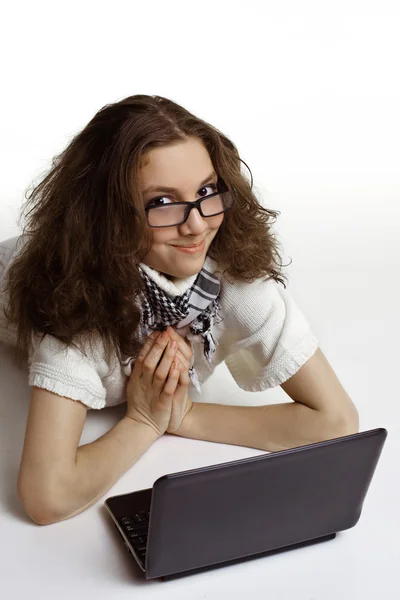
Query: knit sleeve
x=66, y=371
x=268, y=338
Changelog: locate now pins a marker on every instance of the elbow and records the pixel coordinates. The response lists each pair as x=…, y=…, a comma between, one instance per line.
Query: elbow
x=345, y=424
x=40, y=505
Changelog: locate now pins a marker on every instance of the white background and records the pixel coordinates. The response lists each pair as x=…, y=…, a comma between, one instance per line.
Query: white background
x=309, y=92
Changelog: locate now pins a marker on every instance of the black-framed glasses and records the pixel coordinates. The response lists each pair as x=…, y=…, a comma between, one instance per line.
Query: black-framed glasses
x=176, y=213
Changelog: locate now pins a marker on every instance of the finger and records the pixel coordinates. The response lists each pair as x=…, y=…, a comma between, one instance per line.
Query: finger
x=185, y=363
x=184, y=378
x=161, y=372
x=172, y=381
x=148, y=344
x=183, y=360
x=151, y=360
x=184, y=345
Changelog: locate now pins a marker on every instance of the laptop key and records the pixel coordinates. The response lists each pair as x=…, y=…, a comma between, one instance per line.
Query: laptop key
x=136, y=526
x=134, y=535
x=139, y=517
x=139, y=541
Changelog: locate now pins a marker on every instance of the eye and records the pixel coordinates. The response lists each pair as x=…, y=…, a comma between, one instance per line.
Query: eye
x=157, y=201
x=212, y=187
x=160, y=200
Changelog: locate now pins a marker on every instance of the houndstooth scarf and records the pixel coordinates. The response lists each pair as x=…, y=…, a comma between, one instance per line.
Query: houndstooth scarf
x=198, y=307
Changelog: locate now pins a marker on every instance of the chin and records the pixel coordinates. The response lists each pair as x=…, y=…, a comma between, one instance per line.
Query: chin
x=185, y=273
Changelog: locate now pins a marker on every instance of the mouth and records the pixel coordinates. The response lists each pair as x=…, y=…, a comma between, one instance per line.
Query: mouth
x=191, y=249
x=191, y=245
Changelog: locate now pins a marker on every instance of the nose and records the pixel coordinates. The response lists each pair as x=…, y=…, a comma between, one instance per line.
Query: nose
x=194, y=224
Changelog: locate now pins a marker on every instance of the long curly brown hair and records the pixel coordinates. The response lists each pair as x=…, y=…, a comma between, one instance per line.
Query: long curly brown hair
x=87, y=232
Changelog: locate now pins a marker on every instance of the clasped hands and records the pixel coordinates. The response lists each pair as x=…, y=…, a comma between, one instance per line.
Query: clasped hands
x=181, y=402
x=157, y=389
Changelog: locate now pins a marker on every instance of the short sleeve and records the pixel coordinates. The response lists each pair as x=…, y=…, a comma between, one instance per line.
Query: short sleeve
x=269, y=338
x=66, y=371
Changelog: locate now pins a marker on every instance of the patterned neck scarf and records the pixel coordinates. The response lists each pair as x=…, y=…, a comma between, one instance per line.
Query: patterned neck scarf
x=198, y=307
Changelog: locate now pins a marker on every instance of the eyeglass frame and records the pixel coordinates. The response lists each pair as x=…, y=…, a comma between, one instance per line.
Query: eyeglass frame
x=190, y=206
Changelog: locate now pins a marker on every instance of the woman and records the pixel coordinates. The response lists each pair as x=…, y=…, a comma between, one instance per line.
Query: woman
x=104, y=263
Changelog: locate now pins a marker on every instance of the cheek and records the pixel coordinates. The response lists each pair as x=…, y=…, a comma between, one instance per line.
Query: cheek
x=162, y=236
x=216, y=222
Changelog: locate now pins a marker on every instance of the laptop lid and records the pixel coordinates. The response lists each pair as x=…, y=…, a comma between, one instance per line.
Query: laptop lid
x=229, y=511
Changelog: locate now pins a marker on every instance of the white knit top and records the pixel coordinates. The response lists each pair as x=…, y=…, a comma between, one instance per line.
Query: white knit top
x=263, y=338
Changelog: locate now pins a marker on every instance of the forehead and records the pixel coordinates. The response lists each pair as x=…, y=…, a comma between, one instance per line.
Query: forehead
x=178, y=165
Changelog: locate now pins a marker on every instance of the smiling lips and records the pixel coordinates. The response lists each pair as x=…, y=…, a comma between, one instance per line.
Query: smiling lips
x=191, y=245
x=191, y=249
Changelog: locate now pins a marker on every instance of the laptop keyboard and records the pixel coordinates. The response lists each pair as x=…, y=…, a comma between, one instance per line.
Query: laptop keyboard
x=136, y=528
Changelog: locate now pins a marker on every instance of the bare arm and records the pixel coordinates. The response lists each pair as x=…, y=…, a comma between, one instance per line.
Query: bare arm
x=321, y=410
x=57, y=480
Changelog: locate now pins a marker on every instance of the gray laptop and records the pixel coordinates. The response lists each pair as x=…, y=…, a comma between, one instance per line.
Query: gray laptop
x=226, y=513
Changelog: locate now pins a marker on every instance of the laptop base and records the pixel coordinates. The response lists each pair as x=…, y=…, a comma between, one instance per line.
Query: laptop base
x=324, y=538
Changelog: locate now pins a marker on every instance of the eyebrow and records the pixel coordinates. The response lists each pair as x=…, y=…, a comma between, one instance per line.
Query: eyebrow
x=153, y=189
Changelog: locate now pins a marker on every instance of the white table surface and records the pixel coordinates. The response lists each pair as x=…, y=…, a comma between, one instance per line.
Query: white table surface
x=85, y=556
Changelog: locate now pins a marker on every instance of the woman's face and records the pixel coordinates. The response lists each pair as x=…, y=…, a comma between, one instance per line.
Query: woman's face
x=186, y=167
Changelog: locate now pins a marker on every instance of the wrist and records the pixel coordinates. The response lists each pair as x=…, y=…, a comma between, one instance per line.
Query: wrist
x=148, y=430
x=186, y=425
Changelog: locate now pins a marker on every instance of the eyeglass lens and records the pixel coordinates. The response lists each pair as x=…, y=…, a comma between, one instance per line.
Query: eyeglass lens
x=174, y=214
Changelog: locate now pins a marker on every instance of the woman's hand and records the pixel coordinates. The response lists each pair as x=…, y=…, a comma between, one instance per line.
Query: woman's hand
x=157, y=394
x=152, y=384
